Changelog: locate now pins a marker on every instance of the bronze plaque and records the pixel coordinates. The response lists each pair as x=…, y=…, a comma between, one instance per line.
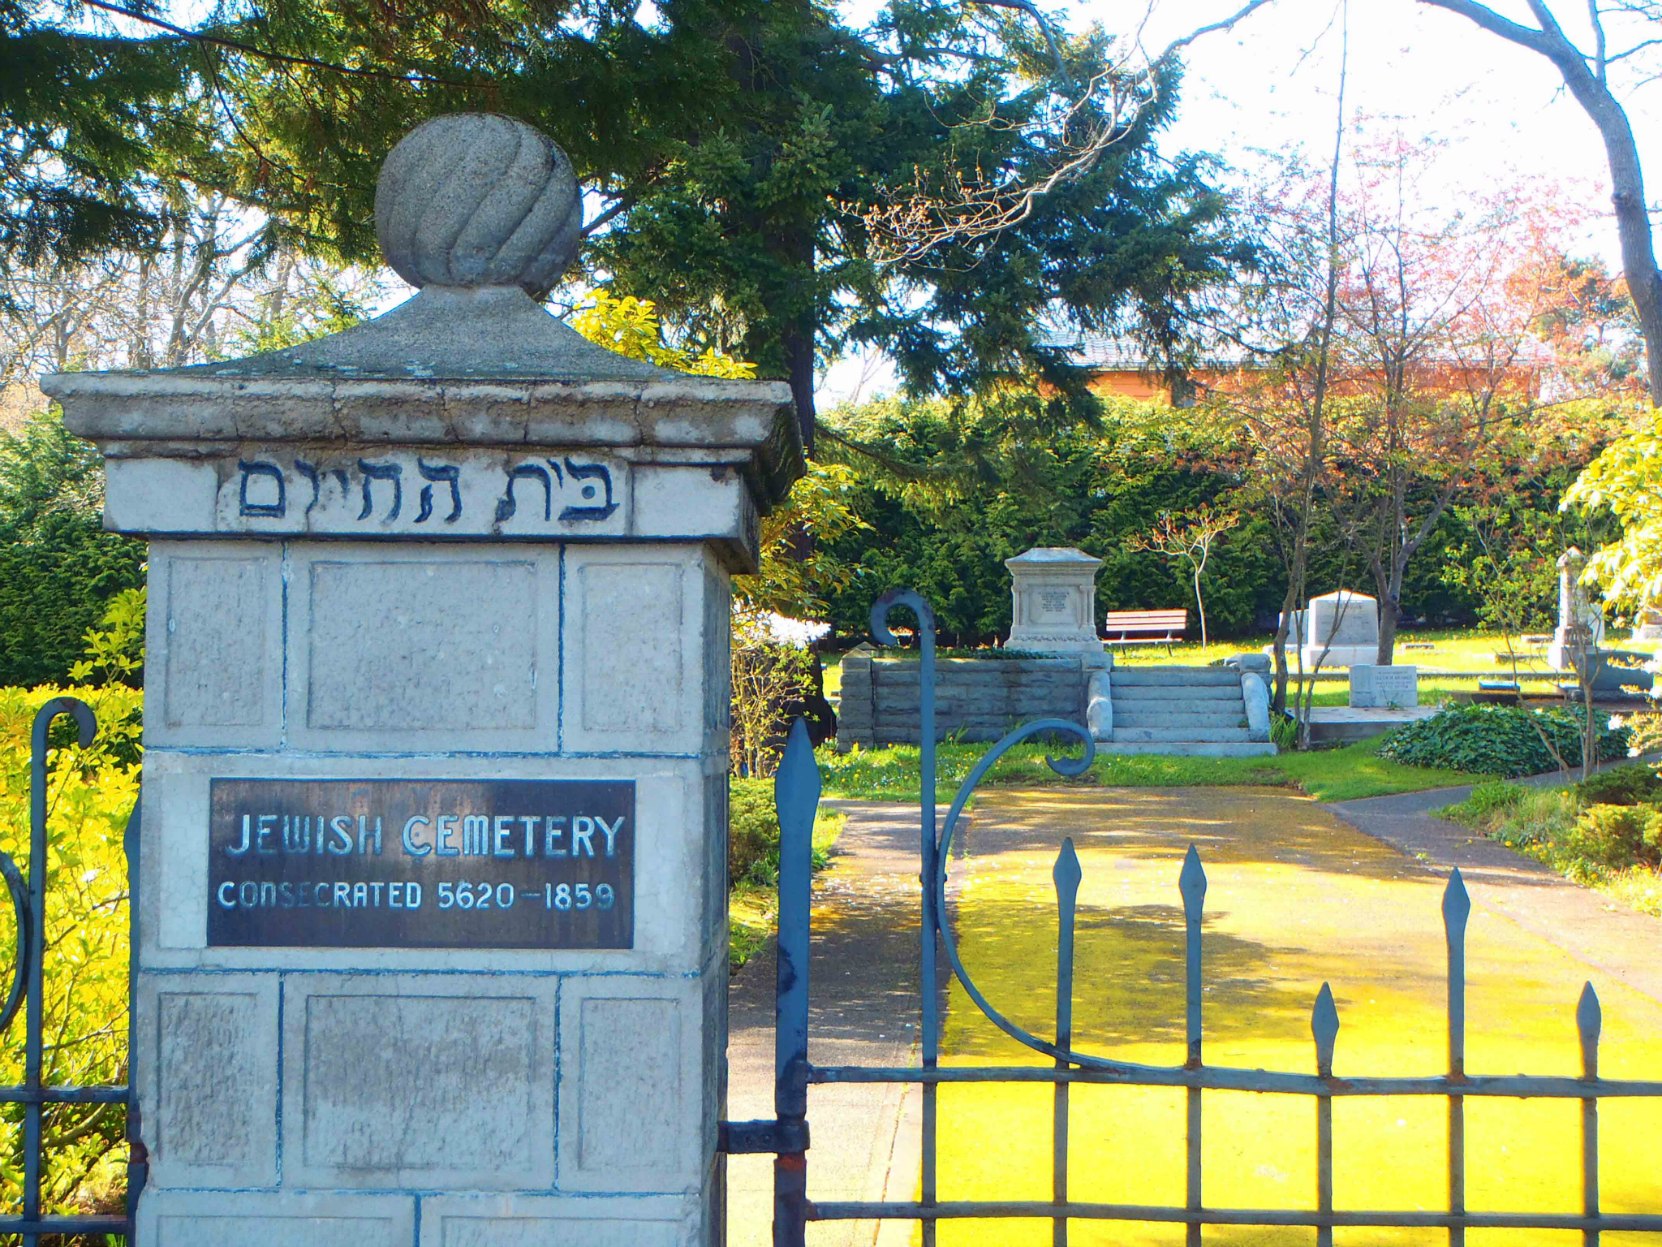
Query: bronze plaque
x=409, y=863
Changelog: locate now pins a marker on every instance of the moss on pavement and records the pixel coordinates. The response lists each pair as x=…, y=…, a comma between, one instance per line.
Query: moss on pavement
x=1295, y=898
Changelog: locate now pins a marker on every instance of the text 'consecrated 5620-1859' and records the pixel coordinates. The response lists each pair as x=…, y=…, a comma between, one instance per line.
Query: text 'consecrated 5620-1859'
x=422, y=864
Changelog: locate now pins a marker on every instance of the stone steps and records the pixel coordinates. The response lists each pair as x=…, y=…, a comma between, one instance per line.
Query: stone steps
x=1168, y=677
x=1140, y=713
x=1178, y=693
x=1194, y=711
x=1192, y=749
x=1179, y=735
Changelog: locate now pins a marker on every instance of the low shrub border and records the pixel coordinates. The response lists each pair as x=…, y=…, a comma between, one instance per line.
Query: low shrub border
x=1604, y=833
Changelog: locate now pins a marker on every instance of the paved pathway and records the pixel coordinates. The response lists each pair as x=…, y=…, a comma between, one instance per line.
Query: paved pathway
x=864, y=992
x=1608, y=936
x=1296, y=897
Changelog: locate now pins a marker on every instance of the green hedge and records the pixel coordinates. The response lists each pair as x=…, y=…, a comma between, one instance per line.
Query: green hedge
x=1498, y=740
x=59, y=569
x=752, y=833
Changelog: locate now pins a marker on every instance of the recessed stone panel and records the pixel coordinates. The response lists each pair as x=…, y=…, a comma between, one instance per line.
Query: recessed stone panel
x=637, y=632
x=634, y=682
x=216, y=619
x=209, y=1092
x=631, y=1115
x=213, y=1219
x=556, y=1221
x=423, y=1082
x=409, y=646
x=425, y=649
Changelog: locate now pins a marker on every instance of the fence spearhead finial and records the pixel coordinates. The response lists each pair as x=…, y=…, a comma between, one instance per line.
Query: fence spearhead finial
x=796, y=785
x=1324, y=1027
x=1589, y=1017
x=1067, y=872
x=1457, y=903
x=1191, y=881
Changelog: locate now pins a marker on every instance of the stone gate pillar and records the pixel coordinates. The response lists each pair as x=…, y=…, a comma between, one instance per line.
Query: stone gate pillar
x=432, y=895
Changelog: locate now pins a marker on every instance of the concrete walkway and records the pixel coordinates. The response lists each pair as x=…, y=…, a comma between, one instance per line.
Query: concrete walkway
x=1608, y=936
x=1297, y=897
x=863, y=979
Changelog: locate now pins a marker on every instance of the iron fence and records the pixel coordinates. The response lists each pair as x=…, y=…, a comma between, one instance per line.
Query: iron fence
x=27, y=994
x=797, y=795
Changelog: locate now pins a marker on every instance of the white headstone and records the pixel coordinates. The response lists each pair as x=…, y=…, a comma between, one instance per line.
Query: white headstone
x=1053, y=601
x=1376, y=687
x=433, y=887
x=1647, y=624
x=1338, y=629
x=1580, y=629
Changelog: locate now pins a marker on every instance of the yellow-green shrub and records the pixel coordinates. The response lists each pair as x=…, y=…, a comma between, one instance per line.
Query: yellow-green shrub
x=90, y=794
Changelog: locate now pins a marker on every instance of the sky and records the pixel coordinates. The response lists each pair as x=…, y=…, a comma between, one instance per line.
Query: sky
x=1271, y=82
x=1496, y=112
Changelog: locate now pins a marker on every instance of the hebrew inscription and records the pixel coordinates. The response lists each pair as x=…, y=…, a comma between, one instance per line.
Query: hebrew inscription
x=424, y=494
x=421, y=863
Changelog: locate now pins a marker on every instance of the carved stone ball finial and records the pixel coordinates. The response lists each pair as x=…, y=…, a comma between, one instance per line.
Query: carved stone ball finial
x=474, y=200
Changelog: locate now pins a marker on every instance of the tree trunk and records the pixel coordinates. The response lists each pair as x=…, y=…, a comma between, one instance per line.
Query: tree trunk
x=1200, y=609
x=1627, y=182
x=1387, y=632
x=1627, y=194
x=799, y=364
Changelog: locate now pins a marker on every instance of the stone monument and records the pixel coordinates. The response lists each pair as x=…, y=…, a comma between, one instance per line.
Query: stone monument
x=432, y=938
x=1378, y=688
x=1580, y=629
x=1647, y=624
x=1338, y=629
x=1053, y=601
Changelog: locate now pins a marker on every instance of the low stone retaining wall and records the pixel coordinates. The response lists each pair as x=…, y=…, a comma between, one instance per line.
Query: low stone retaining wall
x=976, y=699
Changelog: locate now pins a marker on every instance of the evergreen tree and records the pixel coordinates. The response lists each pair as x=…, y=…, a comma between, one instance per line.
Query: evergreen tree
x=781, y=182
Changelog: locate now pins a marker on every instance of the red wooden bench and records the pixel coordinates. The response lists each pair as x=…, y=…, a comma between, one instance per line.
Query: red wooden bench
x=1164, y=627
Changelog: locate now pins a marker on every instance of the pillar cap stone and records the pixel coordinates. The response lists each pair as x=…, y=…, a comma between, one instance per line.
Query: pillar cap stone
x=1052, y=556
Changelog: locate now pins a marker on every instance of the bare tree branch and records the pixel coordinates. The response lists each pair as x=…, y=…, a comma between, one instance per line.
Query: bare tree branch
x=1227, y=23
x=1599, y=47
x=962, y=210
x=1514, y=32
x=1043, y=22
x=1586, y=81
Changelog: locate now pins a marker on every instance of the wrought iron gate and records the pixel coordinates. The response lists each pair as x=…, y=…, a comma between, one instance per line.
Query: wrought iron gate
x=27, y=992
x=797, y=794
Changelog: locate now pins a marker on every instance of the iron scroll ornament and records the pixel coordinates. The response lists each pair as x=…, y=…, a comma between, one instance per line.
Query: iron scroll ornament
x=17, y=889
x=24, y=907
x=1064, y=766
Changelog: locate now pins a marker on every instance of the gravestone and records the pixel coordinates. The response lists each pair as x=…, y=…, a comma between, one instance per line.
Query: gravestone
x=432, y=903
x=1647, y=624
x=1376, y=687
x=1053, y=601
x=1580, y=629
x=1338, y=629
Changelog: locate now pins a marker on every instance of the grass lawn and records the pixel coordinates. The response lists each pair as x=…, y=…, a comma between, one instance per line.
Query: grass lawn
x=1295, y=898
x=890, y=773
x=1434, y=690
x=1465, y=651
